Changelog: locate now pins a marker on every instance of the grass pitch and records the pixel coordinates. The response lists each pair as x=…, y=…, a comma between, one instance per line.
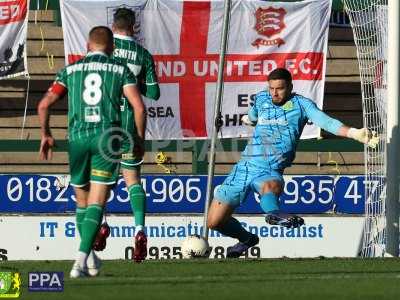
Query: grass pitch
x=294, y=279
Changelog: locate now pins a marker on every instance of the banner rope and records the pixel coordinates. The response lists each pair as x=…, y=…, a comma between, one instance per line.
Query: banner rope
x=335, y=162
x=50, y=57
x=42, y=37
x=26, y=108
x=50, y=60
x=36, y=11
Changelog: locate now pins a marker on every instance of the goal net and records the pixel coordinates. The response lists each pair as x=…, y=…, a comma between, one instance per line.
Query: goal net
x=369, y=23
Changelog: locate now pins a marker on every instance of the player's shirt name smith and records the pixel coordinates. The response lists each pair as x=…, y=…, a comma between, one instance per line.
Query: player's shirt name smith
x=95, y=66
x=124, y=53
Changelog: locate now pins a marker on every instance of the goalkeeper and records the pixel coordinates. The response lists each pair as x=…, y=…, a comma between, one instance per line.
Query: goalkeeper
x=279, y=117
x=141, y=63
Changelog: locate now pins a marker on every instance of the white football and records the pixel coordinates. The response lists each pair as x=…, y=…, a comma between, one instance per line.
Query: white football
x=195, y=246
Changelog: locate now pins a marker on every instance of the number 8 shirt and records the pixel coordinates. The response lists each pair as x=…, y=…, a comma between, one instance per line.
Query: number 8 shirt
x=95, y=87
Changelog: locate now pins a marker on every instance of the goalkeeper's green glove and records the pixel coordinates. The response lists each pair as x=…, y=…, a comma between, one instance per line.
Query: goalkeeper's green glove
x=246, y=120
x=365, y=136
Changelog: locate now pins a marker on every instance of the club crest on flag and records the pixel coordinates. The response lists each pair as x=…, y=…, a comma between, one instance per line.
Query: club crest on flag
x=269, y=22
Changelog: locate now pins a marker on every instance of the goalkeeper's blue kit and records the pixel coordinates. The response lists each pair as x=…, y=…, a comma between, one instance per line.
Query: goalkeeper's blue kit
x=273, y=145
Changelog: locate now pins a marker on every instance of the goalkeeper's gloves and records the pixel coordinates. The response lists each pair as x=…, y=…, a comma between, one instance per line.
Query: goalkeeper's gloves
x=365, y=136
x=246, y=120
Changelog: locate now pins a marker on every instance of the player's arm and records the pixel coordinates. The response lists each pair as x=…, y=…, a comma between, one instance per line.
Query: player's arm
x=56, y=92
x=334, y=126
x=150, y=87
x=132, y=93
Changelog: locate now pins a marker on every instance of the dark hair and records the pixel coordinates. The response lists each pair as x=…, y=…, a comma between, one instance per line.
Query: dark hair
x=280, y=73
x=101, y=35
x=124, y=18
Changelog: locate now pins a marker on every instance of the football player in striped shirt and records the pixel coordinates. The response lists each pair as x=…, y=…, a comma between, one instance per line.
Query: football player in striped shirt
x=95, y=85
x=140, y=62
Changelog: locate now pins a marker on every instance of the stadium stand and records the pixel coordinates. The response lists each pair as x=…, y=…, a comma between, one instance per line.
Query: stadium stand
x=46, y=57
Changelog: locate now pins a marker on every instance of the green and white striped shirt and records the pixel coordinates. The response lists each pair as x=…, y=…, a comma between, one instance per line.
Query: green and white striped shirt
x=141, y=63
x=95, y=87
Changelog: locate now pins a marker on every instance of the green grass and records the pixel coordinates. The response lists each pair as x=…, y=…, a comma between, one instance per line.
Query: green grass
x=294, y=279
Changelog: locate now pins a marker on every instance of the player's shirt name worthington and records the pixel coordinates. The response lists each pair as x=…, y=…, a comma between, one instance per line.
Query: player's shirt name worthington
x=95, y=66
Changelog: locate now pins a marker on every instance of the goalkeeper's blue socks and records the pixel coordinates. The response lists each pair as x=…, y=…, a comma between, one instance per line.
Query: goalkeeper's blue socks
x=269, y=204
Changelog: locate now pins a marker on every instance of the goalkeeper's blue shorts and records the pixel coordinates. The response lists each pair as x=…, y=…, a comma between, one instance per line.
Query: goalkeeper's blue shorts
x=245, y=176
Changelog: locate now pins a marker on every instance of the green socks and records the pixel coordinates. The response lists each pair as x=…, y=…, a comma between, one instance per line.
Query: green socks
x=80, y=216
x=90, y=226
x=137, y=197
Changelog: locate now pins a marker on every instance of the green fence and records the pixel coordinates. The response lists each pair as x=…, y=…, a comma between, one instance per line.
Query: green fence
x=197, y=147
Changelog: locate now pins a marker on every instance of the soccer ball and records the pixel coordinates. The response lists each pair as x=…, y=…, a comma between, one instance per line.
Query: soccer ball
x=195, y=246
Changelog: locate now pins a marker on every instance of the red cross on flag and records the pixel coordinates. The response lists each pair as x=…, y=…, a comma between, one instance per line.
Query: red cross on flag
x=184, y=38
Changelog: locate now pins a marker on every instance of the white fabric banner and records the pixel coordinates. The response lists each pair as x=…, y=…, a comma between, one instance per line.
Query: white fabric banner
x=184, y=38
x=56, y=237
x=13, y=26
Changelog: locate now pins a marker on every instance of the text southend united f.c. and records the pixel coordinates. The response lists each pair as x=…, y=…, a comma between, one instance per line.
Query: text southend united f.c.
x=170, y=231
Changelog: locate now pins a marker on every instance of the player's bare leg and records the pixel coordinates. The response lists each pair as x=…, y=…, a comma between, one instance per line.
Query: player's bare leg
x=220, y=219
x=218, y=214
x=137, y=198
x=270, y=192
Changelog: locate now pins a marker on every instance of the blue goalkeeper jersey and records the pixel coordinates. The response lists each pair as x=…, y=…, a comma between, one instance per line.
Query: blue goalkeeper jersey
x=278, y=129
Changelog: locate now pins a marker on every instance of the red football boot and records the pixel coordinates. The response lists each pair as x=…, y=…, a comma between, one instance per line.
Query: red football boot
x=101, y=237
x=140, y=252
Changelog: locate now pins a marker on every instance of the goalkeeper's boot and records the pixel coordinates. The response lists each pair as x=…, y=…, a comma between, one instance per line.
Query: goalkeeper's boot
x=238, y=249
x=78, y=271
x=288, y=221
x=100, y=243
x=140, y=252
x=93, y=264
